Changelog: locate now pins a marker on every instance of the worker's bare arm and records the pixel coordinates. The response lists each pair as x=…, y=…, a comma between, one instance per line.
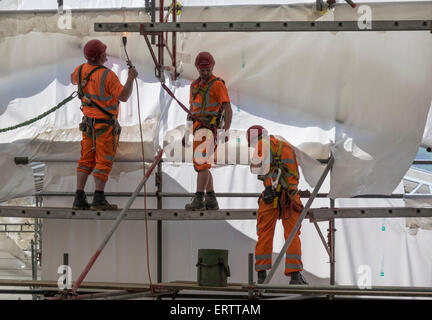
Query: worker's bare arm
x=226, y=106
x=127, y=88
x=72, y=79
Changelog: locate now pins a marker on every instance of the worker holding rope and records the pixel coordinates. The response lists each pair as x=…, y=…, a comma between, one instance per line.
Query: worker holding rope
x=100, y=92
x=210, y=109
x=275, y=162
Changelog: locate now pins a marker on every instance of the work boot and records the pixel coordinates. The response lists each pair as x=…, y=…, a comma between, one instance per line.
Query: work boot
x=197, y=203
x=262, y=274
x=297, y=278
x=80, y=201
x=210, y=201
x=100, y=203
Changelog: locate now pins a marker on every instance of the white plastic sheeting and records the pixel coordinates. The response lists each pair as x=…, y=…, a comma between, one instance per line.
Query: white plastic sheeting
x=52, y=4
x=311, y=88
x=355, y=82
x=124, y=258
x=384, y=246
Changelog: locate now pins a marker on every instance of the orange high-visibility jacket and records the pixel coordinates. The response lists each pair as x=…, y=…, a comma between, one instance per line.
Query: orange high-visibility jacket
x=282, y=155
x=206, y=100
x=103, y=87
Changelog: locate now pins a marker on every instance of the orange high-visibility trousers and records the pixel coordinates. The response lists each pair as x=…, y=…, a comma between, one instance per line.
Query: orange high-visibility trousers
x=266, y=223
x=98, y=161
x=203, y=149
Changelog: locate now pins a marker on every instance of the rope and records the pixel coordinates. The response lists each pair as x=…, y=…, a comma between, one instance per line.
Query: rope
x=129, y=63
x=145, y=191
x=28, y=122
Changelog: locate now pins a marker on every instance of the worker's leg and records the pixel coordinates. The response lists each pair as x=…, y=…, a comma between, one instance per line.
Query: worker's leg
x=81, y=180
x=105, y=152
x=203, y=180
x=210, y=197
x=84, y=168
x=202, y=167
x=86, y=162
x=99, y=184
x=209, y=186
x=266, y=222
x=198, y=200
x=293, y=260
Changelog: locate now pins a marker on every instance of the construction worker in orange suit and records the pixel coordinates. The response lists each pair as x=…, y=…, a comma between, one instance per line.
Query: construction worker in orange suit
x=275, y=162
x=100, y=92
x=210, y=103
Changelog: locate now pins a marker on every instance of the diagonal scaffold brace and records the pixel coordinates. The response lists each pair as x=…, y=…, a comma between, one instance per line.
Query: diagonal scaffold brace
x=117, y=222
x=299, y=221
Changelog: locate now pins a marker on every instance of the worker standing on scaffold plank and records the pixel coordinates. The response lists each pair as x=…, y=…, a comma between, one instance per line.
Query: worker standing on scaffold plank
x=211, y=108
x=275, y=162
x=100, y=92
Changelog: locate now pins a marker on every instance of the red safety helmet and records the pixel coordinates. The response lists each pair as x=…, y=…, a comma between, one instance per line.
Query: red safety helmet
x=255, y=131
x=204, y=60
x=94, y=49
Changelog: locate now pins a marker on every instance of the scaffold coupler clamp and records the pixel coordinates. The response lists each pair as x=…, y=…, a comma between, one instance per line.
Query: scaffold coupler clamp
x=159, y=73
x=67, y=294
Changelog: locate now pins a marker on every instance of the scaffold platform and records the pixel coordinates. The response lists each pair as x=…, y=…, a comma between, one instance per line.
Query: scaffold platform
x=181, y=289
x=316, y=214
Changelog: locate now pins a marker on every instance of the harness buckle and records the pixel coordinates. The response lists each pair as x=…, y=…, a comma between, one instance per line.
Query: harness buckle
x=276, y=182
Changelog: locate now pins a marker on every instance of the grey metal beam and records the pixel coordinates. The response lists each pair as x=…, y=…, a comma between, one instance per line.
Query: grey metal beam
x=389, y=212
x=41, y=161
x=424, y=292
x=166, y=8
x=265, y=26
x=303, y=194
x=317, y=214
x=80, y=11
x=132, y=214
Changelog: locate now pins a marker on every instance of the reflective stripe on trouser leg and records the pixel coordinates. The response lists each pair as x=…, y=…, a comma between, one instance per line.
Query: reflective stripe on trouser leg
x=86, y=163
x=293, y=260
x=266, y=223
x=104, y=152
x=202, y=157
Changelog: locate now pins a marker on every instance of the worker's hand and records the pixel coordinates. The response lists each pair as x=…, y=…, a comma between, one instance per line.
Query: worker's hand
x=132, y=74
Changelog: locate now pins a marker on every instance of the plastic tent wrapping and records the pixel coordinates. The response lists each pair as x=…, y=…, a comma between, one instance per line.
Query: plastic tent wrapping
x=319, y=88
x=347, y=72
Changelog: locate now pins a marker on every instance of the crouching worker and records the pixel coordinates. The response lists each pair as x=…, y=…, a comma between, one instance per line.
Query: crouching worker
x=275, y=163
x=100, y=92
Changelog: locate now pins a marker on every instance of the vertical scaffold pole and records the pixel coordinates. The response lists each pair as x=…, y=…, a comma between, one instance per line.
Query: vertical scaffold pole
x=160, y=44
x=153, y=18
x=300, y=220
x=174, y=41
x=331, y=244
x=159, y=223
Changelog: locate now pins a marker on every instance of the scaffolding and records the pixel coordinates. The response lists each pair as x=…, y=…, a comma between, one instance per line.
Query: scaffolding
x=174, y=289
x=159, y=31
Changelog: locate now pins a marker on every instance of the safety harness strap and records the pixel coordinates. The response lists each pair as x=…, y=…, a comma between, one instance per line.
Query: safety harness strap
x=81, y=93
x=210, y=117
x=277, y=162
x=192, y=116
x=80, y=83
